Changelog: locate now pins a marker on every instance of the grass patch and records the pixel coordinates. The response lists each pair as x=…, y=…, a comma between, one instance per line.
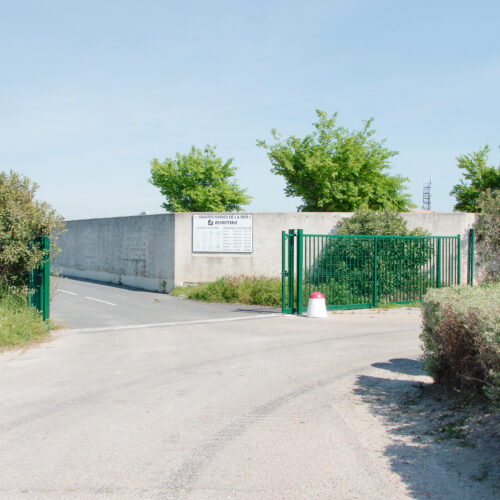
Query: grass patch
x=391, y=305
x=258, y=290
x=56, y=325
x=20, y=324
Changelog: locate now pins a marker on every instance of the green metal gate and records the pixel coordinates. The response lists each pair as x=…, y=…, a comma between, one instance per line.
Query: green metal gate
x=288, y=268
x=365, y=271
x=39, y=281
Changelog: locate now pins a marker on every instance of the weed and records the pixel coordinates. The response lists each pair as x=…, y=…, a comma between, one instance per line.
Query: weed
x=19, y=324
x=452, y=430
x=56, y=325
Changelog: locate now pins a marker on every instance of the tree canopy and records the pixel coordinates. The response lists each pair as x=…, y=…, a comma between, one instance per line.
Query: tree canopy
x=477, y=178
x=22, y=218
x=336, y=169
x=198, y=181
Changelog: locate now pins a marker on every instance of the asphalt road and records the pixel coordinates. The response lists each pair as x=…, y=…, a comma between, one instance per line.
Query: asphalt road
x=232, y=408
x=90, y=304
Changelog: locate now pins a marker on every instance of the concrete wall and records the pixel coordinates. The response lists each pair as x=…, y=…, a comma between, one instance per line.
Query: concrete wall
x=266, y=257
x=136, y=251
x=146, y=251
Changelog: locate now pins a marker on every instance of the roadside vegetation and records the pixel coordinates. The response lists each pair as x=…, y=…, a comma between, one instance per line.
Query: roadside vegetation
x=461, y=338
x=262, y=291
x=258, y=290
x=20, y=324
x=22, y=219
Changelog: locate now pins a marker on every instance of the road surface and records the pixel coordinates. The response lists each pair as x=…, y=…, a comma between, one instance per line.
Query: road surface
x=89, y=304
x=223, y=407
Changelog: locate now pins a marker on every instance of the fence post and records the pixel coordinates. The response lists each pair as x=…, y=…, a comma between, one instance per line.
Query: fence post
x=438, y=263
x=374, y=298
x=291, y=264
x=39, y=280
x=459, y=259
x=470, y=258
x=45, y=276
x=300, y=240
x=283, y=271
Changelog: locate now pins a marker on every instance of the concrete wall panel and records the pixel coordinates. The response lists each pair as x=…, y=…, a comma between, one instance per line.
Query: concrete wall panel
x=136, y=251
x=154, y=252
x=266, y=257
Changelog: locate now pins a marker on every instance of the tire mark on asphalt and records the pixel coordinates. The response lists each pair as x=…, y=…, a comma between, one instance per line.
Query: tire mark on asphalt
x=183, y=479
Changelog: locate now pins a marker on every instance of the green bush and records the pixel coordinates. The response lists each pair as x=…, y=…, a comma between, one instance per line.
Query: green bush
x=22, y=218
x=461, y=337
x=347, y=264
x=241, y=289
x=19, y=324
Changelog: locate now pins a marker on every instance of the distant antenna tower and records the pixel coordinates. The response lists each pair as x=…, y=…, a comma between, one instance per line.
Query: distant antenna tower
x=426, y=198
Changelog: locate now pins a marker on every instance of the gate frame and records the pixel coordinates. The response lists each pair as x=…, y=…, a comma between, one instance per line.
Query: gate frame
x=39, y=280
x=293, y=261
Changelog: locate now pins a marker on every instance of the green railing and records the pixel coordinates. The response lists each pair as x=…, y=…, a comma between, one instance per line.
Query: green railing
x=39, y=281
x=365, y=271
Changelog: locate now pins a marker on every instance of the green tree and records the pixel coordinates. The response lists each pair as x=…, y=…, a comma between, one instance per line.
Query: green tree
x=337, y=170
x=23, y=218
x=476, y=179
x=488, y=235
x=198, y=181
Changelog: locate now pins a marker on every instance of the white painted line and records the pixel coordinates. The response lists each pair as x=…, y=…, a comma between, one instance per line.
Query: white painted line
x=102, y=301
x=176, y=323
x=69, y=293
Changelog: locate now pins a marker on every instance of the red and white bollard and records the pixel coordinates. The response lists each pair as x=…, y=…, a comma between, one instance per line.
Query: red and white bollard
x=317, y=306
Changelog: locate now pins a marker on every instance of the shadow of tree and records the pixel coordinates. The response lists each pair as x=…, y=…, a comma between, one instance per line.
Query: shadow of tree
x=402, y=365
x=441, y=447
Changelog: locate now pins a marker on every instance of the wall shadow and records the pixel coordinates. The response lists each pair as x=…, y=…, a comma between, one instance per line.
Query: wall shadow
x=431, y=448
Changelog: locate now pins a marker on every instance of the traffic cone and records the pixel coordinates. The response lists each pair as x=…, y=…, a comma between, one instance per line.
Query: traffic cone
x=316, y=307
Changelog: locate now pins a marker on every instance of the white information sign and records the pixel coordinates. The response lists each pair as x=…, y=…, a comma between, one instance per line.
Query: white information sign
x=230, y=233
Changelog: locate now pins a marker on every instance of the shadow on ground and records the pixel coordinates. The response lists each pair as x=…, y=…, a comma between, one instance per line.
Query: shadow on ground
x=402, y=365
x=442, y=446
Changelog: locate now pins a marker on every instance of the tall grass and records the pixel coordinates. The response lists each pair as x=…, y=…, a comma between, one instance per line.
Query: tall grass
x=19, y=324
x=259, y=290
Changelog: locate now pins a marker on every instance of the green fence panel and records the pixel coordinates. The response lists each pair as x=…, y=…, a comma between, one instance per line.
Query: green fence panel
x=364, y=271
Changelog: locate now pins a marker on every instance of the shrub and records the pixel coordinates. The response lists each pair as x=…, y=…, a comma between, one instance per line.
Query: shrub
x=19, y=324
x=488, y=235
x=385, y=223
x=461, y=337
x=258, y=290
x=349, y=263
x=22, y=218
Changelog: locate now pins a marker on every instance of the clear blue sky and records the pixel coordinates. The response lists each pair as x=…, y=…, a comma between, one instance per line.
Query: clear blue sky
x=92, y=91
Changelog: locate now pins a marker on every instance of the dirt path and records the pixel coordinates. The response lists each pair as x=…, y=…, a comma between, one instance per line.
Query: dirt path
x=438, y=445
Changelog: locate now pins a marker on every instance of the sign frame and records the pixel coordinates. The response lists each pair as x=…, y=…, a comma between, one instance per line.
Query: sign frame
x=220, y=217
